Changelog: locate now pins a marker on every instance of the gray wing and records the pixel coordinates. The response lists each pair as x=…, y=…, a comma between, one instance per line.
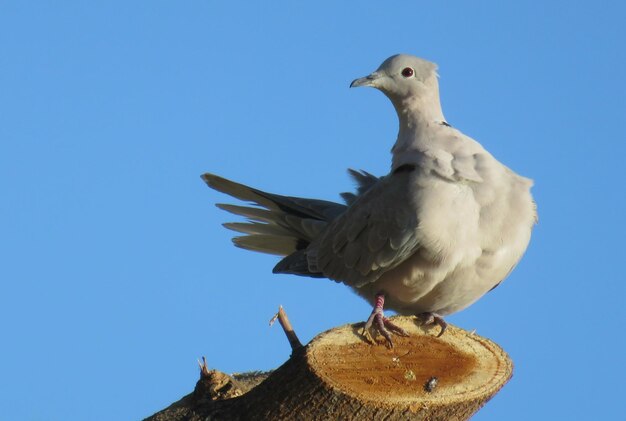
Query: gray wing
x=375, y=234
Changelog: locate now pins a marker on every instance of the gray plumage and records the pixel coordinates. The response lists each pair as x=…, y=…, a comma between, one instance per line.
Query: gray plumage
x=446, y=225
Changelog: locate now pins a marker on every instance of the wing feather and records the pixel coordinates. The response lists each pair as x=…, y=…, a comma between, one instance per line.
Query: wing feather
x=375, y=234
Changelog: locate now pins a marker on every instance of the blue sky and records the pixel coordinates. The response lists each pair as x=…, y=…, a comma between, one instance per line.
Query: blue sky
x=116, y=274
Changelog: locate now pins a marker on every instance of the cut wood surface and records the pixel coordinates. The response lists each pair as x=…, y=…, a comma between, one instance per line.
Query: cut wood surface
x=340, y=376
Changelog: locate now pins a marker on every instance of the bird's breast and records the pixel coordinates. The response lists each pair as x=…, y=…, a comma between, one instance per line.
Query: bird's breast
x=465, y=247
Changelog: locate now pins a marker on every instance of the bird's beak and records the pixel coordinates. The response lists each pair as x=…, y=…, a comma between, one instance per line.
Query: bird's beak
x=369, y=80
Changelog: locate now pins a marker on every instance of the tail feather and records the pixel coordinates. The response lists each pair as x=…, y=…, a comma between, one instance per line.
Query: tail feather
x=307, y=208
x=270, y=244
x=253, y=214
x=238, y=191
x=282, y=225
x=308, y=228
x=258, y=229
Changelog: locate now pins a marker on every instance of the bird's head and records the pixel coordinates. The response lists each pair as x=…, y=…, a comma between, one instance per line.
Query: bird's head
x=402, y=76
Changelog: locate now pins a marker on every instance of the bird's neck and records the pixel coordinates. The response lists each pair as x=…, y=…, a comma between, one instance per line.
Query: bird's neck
x=418, y=117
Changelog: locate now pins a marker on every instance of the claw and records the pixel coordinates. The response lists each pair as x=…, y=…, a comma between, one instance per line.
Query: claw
x=433, y=319
x=383, y=324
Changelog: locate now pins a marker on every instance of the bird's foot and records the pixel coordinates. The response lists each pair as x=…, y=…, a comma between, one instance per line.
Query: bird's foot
x=382, y=324
x=433, y=319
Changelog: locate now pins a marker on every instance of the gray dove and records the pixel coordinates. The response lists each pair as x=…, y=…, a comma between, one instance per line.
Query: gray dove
x=445, y=226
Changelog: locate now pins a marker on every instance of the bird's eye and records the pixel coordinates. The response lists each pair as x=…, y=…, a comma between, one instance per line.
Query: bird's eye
x=407, y=72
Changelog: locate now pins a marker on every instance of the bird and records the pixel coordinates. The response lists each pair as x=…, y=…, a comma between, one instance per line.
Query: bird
x=446, y=225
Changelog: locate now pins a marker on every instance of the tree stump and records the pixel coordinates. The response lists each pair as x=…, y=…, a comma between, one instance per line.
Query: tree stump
x=340, y=376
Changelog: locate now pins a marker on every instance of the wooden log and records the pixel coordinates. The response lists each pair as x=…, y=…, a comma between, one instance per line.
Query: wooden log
x=339, y=376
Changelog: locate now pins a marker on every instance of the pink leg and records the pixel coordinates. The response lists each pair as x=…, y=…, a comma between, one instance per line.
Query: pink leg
x=383, y=324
